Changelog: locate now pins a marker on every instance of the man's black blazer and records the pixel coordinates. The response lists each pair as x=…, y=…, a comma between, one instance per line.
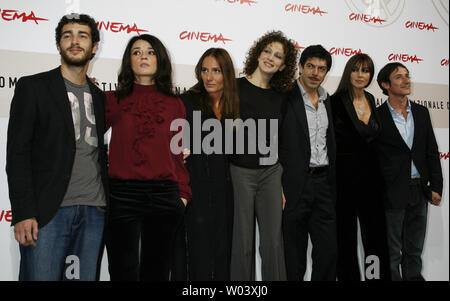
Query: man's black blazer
x=41, y=145
x=295, y=147
x=395, y=157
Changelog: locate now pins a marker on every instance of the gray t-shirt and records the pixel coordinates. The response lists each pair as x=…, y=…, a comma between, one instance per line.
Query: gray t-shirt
x=85, y=186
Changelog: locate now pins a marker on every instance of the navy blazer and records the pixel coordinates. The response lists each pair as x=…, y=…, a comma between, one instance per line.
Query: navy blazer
x=41, y=145
x=295, y=147
x=395, y=157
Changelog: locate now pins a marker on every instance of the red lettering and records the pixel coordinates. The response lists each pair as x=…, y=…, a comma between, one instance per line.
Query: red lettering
x=119, y=27
x=297, y=46
x=444, y=155
x=102, y=24
x=404, y=58
x=344, y=51
x=365, y=18
x=114, y=27
x=12, y=15
x=203, y=36
x=444, y=62
x=183, y=35
x=415, y=59
x=304, y=9
x=6, y=216
x=7, y=14
x=249, y=2
x=420, y=25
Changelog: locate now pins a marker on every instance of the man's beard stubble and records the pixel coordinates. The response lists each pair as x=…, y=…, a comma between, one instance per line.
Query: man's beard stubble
x=76, y=62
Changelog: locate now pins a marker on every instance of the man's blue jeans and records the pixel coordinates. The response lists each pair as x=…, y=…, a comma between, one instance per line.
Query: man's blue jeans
x=67, y=247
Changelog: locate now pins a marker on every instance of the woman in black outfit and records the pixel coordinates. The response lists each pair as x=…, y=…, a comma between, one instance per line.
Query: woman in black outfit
x=209, y=217
x=270, y=70
x=358, y=178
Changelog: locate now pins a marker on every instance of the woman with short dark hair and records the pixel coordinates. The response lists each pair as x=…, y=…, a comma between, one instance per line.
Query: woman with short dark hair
x=149, y=184
x=358, y=176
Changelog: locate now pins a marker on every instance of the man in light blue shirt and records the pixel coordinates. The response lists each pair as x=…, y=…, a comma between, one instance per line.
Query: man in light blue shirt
x=409, y=160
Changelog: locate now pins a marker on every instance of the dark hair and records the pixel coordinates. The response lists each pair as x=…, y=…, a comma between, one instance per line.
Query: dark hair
x=385, y=73
x=356, y=61
x=316, y=51
x=162, y=77
x=282, y=80
x=80, y=19
x=229, y=103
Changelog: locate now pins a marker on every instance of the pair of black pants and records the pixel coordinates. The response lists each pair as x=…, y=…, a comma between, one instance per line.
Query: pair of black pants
x=366, y=206
x=406, y=229
x=142, y=220
x=314, y=215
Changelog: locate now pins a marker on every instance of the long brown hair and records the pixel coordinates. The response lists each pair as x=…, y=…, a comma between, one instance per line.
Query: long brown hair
x=356, y=61
x=229, y=102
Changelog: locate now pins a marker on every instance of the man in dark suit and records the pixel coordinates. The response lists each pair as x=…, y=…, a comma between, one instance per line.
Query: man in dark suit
x=56, y=161
x=307, y=154
x=409, y=161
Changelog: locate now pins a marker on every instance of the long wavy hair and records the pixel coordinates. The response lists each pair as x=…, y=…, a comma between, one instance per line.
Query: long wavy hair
x=356, y=61
x=282, y=80
x=229, y=102
x=162, y=77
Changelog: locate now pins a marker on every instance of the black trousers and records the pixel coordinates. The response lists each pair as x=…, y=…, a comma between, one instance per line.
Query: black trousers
x=363, y=204
x=141, y=224
x=406, y=230
x=314, y=215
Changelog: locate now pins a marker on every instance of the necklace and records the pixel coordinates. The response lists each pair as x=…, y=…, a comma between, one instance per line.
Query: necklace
x=360, y=111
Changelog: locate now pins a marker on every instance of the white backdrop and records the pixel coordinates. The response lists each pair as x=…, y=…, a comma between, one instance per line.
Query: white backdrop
x=414, y=32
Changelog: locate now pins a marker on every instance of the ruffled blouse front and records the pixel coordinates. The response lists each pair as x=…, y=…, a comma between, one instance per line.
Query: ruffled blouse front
x=140, y=139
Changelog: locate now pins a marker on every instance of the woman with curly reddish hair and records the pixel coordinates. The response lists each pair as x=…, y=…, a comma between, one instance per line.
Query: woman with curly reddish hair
x=270, y=70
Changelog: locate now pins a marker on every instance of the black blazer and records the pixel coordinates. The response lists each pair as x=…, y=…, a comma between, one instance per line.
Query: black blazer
x=295, y=147
x=356, y=158
x=395, y=157
x=41, y=145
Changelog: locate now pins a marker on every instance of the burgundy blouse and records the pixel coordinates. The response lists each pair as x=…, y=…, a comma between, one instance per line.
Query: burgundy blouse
x=140, y=141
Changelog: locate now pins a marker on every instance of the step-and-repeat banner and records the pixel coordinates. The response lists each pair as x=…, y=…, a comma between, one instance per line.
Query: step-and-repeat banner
x=413, y=32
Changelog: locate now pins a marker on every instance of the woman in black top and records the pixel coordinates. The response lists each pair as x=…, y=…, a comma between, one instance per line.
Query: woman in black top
x=270, y=70
x=358, y=176
x=209, y=216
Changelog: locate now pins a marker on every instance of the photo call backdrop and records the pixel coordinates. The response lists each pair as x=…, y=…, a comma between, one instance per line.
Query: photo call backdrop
x=413, y=32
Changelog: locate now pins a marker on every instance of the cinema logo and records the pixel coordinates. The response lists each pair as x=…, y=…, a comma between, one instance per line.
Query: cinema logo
x=203, y=36
x=444, y=156
x=365, y=18
x=405, y=58
x=304, y=9
x=15, y=15
x=344, y=51
x=444, y=62
x=378, y=13
x=420, y=25
x=6, y=216
x=117, y=27
x=249, y=2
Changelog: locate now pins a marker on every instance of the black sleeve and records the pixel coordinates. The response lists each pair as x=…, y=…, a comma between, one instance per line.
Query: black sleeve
x=433, y=158
x=20, y=135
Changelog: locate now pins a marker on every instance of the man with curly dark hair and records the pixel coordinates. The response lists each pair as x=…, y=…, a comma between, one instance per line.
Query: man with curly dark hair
x=56, y=162
x=269, y=71
x=307, y=154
